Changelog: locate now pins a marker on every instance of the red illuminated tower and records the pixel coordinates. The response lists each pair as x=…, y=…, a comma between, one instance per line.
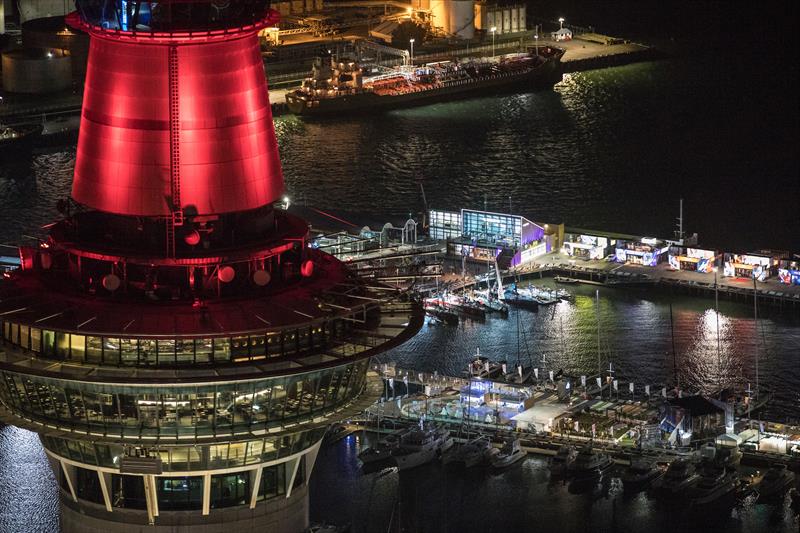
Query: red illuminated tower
x=174, y=341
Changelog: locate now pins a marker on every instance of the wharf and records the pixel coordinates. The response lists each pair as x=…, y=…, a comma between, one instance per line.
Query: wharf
x=543, y=422
x=661, y=278
x=584, y=54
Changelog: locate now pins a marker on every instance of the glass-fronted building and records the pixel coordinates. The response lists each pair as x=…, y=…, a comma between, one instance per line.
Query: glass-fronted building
x=486, y=236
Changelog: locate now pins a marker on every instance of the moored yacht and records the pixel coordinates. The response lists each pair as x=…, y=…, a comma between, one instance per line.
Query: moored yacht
x=421, y=446
x=715, y=482
x=382, y=451
x=680, y=475
x=563, y=458
x=471, y=453
x=510, y=453
x=640, y=472
x=482, y=367
x=589, y=463
x=775, y=483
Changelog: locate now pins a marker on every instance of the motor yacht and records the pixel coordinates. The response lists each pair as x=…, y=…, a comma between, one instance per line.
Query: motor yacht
x=510, y=453
x=421, y=446
x=680, y=475
x=589, y=463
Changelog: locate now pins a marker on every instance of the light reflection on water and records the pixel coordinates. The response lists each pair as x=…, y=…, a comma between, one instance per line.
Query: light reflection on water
x=635, y=336
x=28, y=492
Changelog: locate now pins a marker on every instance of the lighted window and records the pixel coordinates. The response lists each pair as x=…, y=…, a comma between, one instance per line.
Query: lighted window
x=36, y=339
x=78, y=347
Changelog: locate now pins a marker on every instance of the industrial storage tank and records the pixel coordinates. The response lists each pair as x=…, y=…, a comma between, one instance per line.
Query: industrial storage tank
x=53, y=32
x=461, y=18
x=37, y=71
x=440, y=14
x=507, y=18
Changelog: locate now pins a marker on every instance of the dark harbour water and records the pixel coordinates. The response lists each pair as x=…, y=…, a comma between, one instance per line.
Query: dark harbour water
x=521, y=499
x=613, y=149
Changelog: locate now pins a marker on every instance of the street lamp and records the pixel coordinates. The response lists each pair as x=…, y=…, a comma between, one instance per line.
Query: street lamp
x=412, y=50
x=561, y=21
x=536, y=36
x=493, y=29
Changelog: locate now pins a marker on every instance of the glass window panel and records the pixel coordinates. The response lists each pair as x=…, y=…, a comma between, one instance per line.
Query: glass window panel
x=204, y=412
x=222, y=349
x=224, y=409
x=76, y=406
x=180, y=494
x=270, y=451
x=243, y=405
x=196, y=461
x=111, y=350
x=129, y=349
x=62, y=345
x=36, y=339
x=230, y=489
x=45, y=397
x=218, y=454
x=261, y=404
x=128, y=411
x=185, y=351
x=277, y=405
x=204, y=349
x=148, y=351
x=179, y=458
x=94, y=349
x=166, y=352
x=88, y=485
x=94, y=409
x=254, y=450
x=271, y=482
x=127, y=492
x=49, y=343
x=78, y=347
x=24, y=333
x=33, y=397
x=237, y=453
x=59, y=402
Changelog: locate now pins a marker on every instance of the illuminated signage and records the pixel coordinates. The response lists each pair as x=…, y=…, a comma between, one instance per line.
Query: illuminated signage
x=746, y=266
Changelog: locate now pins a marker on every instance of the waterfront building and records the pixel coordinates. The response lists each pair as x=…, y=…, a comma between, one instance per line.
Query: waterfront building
x=175, y=343
x=789, y=272
x=646, y=251
x=486, y=236
x=588, y=244
x=759, y=266
x=695, y=418
x=692, y=259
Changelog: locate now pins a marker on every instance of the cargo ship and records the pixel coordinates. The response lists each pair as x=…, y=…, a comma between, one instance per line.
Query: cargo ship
x=340, y=86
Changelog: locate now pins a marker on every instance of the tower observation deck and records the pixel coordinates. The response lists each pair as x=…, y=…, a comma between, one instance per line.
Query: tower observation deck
x=174, y=341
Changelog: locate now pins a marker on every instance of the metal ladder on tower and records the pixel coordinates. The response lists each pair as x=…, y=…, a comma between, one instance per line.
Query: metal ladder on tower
x=176, y=213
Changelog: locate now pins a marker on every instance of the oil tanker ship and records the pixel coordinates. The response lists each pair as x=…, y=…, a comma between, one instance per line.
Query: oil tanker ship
x=339, y=86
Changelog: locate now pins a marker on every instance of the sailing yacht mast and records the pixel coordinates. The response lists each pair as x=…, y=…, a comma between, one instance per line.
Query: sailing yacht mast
x=755, y=319
x=597, y=312
x=675, y=378
x=719, y=349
